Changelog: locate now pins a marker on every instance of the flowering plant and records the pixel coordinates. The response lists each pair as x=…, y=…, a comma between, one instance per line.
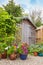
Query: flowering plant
x=23, y=49
x=15, y=46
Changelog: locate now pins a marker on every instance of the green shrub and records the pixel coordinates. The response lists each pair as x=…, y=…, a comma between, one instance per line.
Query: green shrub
x=8, y=27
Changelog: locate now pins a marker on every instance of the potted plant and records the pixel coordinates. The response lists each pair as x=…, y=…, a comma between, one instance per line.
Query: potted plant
x=23, y=51
x=41, y=50
x=31, y=49
x=15, y=47
x=4, y=52
x=11, y=53
x=34, y=49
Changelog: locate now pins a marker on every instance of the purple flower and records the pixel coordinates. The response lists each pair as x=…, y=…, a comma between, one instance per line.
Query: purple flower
x=25, y=50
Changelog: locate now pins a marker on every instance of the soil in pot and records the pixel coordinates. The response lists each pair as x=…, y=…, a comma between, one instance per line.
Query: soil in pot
x=4, y=55
x=35, y=54
x=12, y=56
x=23, y=57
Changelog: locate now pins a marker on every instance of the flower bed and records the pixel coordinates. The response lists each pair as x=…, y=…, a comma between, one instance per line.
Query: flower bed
x=22, y=50
x=14, y=51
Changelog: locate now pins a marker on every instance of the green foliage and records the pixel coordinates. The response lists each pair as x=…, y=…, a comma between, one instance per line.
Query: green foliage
x=13, y=9
x=18, y=31
x=22, y=49
x=10, y=50
x=41, y=48
x=19, y=50
x=34, y=48
x=38, y=24
x=18, y=36
x=8, y=27
x=2, y=47
x=18, y=19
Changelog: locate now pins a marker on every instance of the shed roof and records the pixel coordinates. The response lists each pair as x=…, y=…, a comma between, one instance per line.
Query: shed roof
x=27, y=18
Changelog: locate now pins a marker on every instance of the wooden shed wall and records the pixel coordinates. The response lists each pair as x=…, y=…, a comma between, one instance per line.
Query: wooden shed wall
x=39, y=35
x=28, y=32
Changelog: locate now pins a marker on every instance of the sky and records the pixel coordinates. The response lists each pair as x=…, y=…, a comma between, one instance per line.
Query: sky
x=27, y=5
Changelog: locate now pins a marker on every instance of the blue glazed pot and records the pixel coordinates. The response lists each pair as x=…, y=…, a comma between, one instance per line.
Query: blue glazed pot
x=23, y=56
x=40, y=54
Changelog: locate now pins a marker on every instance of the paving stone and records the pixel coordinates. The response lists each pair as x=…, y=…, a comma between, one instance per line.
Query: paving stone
x=31, y=60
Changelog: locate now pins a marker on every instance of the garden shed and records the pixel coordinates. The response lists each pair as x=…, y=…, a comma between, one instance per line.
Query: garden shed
x=28, y=31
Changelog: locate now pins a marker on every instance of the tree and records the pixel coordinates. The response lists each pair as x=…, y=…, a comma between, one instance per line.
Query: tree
x=38, y=22
x=8, y=27
x=36, y=17
x=13, y=9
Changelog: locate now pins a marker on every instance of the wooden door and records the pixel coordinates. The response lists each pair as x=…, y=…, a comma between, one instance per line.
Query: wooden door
x=25, y=33
x=28, y=34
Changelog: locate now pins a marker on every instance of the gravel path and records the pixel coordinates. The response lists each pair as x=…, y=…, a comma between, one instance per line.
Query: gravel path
x=31, y=60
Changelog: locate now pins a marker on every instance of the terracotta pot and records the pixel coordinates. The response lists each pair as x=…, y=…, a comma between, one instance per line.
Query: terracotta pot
x=0, y=56
x=12, y=56
x=4, y=55
x=35, y=54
